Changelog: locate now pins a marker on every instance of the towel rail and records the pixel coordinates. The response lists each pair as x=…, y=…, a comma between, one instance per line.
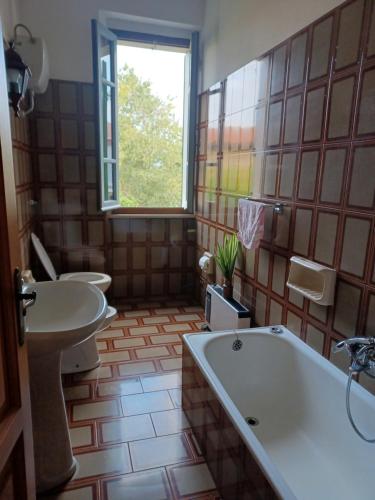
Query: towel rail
x=278, y=207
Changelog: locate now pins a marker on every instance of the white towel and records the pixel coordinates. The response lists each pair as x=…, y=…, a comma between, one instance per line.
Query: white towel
x=251, y=215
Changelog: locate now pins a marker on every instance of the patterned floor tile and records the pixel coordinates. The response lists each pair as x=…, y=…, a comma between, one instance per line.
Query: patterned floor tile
x=128, y=343
x=152, y=352
x=161, y=382
x=181, y=327
x=121, y=387
x=110, y=334
x=126, y=429
x=130, y=436
x=192, y=479
x=81, y=436
x=114, y=460
x=171, y=364
x=112, y=357
x=76, y=392
x=160, y=451
x=143, y=330
x=146, y=403
x=136, y=368
x=89, y=411
x=165, y=339
x=152, y=484
x=156, y=320
x=169, y=422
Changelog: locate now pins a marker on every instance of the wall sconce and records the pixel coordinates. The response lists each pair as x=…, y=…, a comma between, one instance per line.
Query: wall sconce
x=18, y=76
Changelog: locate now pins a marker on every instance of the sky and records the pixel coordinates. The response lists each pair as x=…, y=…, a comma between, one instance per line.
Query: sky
x=163, y=68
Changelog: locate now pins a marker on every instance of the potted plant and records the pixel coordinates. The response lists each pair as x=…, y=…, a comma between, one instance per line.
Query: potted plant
x=226, y=256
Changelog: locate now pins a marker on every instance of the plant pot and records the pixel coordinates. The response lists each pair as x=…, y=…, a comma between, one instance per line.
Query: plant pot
x=227, y=289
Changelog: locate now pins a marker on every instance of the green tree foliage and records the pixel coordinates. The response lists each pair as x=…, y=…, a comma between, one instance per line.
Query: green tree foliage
x=150, y=145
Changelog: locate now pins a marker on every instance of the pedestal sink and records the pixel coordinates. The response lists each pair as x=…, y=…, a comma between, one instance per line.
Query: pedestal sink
x=65, y=313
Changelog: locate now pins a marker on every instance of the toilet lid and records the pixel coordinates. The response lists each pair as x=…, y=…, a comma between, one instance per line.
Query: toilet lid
x=43, y=257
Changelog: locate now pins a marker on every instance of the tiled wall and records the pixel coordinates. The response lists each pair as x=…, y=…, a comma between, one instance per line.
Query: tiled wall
x=298, y=126
x=24, y=184
x=69, y=224
x=146, y=257
x=153, y=257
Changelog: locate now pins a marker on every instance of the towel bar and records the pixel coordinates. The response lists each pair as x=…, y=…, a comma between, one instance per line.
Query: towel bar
x=278, y=207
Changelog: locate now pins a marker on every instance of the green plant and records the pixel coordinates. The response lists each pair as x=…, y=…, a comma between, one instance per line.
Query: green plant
x=226, y=255
x=150, y=145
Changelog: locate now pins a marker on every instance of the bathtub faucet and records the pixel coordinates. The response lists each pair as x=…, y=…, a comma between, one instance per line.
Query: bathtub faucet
x=361, y=351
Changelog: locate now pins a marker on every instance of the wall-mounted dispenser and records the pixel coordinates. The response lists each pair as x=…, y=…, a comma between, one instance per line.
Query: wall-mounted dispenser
x=32, y=52
x=206, y=263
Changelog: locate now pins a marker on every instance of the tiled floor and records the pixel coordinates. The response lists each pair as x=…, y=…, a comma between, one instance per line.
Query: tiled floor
x=129, y=435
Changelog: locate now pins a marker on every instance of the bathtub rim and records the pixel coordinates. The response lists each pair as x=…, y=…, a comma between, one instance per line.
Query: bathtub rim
x=250, y=440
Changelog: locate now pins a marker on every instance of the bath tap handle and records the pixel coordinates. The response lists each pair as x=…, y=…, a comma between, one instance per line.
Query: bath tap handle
x=354, y=343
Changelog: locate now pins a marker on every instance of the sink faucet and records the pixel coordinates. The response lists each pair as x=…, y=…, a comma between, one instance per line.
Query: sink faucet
x=361, y=351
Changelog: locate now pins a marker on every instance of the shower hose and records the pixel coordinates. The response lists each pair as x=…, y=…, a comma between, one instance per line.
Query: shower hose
x=348, y=410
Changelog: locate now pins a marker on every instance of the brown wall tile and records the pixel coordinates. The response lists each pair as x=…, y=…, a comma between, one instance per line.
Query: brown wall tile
x=326, y=236
x=347, y=306
x=333, y=175
x=367, y=101
x=297, y=62
x=355, y=243
x=314, y=154
x=321, y=42
x=362, y=185
x=351, y=17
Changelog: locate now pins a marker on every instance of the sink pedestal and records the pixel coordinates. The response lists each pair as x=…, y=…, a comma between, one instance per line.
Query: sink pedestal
x=54, y=461
x=65, y=314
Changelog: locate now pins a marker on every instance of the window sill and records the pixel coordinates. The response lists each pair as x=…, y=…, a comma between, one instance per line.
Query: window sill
x=150, y=215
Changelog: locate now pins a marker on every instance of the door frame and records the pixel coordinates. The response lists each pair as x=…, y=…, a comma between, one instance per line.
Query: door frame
x=16, y=442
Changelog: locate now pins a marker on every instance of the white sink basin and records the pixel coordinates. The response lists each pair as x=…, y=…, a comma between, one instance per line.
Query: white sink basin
x=64, y=314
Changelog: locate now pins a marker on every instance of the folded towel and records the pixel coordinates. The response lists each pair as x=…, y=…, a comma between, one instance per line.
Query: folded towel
x=251, y=216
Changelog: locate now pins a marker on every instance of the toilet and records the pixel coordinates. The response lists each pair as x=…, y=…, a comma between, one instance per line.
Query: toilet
x=84, y=356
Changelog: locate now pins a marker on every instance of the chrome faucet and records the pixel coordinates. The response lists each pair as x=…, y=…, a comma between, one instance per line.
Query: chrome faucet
x=362, y=359
x=361, y=351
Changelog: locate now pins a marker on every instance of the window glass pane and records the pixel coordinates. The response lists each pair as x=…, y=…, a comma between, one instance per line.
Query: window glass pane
x=105, y=59
x=150, y=113
x=109, y=181
x=107, y=131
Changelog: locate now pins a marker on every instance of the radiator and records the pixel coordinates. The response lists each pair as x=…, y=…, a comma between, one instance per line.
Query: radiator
x=224, y=314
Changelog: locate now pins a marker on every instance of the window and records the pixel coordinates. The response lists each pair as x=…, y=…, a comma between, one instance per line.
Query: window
x=146, y=120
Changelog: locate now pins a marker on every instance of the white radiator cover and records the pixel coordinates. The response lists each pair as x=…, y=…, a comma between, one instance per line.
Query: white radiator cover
x=224, y=314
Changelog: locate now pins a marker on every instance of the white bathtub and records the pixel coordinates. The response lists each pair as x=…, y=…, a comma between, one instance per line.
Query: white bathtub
x=304, y=442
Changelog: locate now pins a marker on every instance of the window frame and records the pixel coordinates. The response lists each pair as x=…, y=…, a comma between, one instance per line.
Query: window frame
x=189, y=145
x=99, y=31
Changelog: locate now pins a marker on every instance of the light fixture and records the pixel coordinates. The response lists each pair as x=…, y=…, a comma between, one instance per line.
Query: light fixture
x=18, y=76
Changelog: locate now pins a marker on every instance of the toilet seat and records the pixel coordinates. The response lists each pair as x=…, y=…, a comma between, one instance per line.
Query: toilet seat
x=101, y=280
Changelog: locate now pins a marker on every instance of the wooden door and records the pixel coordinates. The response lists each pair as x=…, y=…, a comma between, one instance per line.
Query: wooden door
x=16, y=448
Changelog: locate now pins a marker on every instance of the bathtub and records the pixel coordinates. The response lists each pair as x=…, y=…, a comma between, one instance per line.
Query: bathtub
x=303, y=446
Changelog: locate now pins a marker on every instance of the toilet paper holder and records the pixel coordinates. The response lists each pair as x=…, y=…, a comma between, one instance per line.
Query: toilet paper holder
x=206, y=263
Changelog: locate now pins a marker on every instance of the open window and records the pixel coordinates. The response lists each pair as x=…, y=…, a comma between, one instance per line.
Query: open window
x=105, y=78
x=146, y=104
